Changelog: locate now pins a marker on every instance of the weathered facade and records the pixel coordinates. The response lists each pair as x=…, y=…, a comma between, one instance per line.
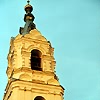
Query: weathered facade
x=31, y=65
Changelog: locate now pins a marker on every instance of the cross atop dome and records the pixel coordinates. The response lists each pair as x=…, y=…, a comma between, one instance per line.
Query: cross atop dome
x=28, y=1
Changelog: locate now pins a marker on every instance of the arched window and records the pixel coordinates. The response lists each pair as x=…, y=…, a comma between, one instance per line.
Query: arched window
x=36, y=60
x=39, y=98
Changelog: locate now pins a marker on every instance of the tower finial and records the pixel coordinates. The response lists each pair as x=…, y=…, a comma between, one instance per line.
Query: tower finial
x=28, y=18
x=28, y=1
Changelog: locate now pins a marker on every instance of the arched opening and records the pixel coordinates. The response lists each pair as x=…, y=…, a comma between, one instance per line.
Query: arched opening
x=39, y=98
x=36, y=60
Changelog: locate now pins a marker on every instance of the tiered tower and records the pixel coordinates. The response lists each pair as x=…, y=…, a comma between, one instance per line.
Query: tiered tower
x=31, y=65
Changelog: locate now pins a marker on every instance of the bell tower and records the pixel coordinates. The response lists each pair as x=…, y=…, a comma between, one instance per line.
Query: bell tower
x=31, y=65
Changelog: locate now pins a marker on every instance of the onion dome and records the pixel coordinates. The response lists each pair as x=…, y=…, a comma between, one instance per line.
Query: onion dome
x=28, y=16
x=28, y=8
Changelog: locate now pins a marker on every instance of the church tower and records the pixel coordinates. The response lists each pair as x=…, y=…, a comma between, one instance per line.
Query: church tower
x=31, y=65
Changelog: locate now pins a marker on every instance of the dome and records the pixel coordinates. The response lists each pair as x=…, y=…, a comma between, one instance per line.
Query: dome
x=28, y=7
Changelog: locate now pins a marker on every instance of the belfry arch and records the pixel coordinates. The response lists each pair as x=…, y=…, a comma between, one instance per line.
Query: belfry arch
x=39, y=98
x=36, y=60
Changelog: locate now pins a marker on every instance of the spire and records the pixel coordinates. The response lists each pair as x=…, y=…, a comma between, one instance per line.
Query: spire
x=28, y=18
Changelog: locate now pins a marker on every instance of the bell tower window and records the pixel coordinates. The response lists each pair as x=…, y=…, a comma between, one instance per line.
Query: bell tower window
x=36, y=60
x=39, y=98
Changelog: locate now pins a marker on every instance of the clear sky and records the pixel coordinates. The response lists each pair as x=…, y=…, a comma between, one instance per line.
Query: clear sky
x=73, y=27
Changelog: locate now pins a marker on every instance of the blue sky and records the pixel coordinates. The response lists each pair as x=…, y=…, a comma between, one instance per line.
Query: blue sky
x=73, y=27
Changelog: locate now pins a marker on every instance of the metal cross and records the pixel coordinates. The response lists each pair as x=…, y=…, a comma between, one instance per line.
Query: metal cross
x=28, y=1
